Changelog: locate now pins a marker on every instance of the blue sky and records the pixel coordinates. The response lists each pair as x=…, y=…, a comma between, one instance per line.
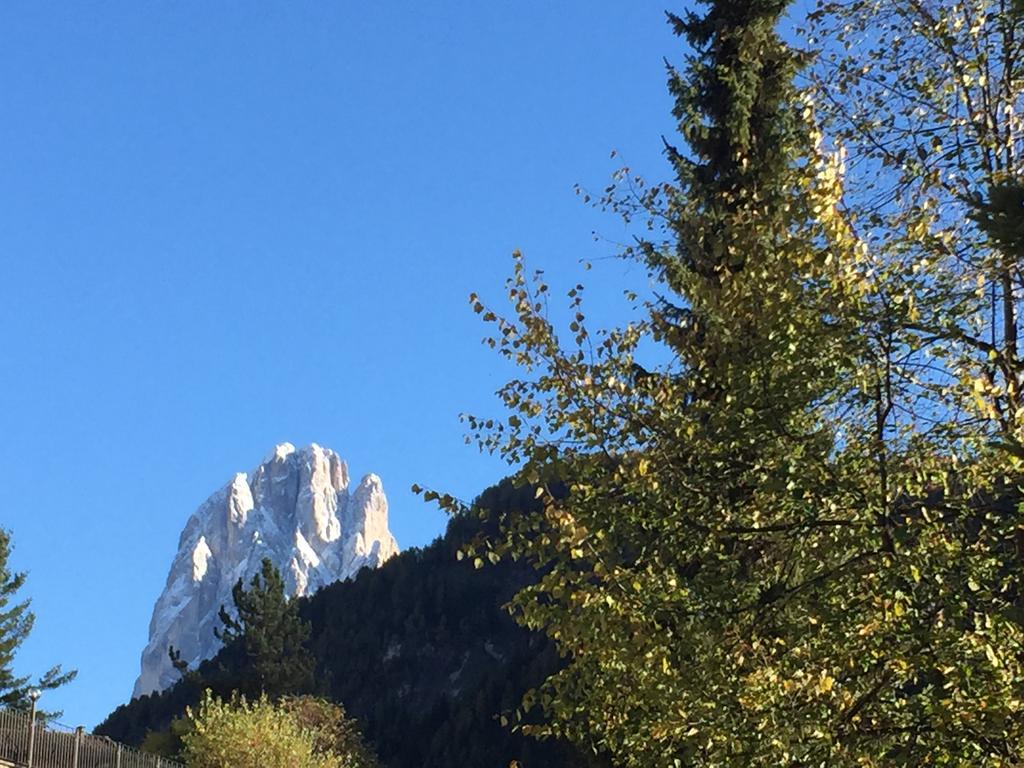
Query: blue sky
x=228, y=225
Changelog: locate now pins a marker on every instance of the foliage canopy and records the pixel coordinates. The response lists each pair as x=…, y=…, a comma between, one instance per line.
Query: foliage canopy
x=798, y=542
x=296, y=733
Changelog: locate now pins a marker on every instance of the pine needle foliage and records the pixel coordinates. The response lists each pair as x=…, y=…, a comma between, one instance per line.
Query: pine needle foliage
x=16, y=621
x=271, y=635
x=798, y=542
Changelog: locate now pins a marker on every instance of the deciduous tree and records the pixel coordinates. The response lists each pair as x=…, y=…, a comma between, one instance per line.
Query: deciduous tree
x=292, y=734
x=797, y=543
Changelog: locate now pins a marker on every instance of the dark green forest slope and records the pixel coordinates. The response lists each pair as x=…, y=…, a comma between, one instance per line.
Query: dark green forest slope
x=420, y=651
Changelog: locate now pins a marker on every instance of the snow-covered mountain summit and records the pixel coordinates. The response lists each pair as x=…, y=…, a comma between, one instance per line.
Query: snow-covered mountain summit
x=296, y=508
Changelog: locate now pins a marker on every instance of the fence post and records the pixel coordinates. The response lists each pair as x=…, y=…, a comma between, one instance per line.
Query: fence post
x=32, y=728
x=118, y=763
x=78, y=746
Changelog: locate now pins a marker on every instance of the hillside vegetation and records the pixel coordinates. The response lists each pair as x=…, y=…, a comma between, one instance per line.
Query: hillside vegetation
x=419, y=651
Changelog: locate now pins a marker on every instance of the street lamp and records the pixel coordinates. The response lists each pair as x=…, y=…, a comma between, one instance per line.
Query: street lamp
x=34, y=695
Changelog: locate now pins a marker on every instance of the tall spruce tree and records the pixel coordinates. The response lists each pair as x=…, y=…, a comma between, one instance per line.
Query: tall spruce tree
x=770, y=553
x=271, y=636
x=16, y=622
x=701, y=501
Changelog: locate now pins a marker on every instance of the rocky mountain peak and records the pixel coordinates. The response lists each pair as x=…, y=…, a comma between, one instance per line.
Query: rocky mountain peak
x=297, y=508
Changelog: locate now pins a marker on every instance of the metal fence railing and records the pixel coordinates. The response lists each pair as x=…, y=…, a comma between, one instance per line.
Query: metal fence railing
x=30, y=744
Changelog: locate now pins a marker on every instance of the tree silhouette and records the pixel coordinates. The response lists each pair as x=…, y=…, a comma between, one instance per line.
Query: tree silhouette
x=267, y=630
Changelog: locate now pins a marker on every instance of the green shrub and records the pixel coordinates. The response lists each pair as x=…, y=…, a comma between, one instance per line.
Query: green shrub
x=334, y=733
x=243, y=734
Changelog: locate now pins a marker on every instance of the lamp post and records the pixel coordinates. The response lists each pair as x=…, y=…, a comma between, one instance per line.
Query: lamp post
x=34, y=695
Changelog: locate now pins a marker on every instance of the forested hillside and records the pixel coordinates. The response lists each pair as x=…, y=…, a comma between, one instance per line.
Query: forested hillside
x=420, y=651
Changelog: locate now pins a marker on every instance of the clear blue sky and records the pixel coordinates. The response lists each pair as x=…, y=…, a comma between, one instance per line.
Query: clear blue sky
x=225, y=225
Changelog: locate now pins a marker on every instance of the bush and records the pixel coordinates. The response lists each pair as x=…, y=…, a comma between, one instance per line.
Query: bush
x=298, y=733
x=333, y=732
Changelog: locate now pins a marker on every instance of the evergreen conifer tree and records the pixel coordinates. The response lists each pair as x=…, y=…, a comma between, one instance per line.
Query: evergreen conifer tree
x=699, y=491
x=1001, y=217
x=267, y=630
x=771, y=553
x=16, y=622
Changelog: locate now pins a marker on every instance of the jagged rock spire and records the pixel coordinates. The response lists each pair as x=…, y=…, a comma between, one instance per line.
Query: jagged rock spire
x=296, y=508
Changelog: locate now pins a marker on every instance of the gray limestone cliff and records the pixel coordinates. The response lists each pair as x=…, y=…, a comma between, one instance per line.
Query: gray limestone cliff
x=296, y=508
